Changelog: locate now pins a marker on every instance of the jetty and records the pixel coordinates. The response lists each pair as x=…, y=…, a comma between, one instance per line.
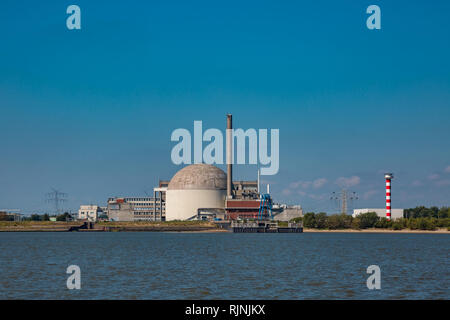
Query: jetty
x=265, y=227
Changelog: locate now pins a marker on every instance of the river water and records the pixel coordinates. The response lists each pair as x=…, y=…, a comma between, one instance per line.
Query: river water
x=145, y=265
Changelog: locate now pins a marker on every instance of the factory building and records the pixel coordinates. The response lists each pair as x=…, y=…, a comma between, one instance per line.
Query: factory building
x=90, y=212
x=395, y=213
x=136, y=209
x=10, y=215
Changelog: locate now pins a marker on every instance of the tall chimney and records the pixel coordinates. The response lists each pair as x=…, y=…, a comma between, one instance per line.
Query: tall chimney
x=258, y=182
x=229, y=156
x=388, y=177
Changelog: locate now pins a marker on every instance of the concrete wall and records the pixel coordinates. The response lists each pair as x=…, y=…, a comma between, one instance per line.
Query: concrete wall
x=124, y=213
x=183, y=204
x=289, y=214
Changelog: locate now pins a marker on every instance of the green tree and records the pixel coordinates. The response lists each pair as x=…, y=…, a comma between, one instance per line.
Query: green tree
x=321, y=220
x=63, y=217
x=309, y=220
x=368, y=220
x=35, y=217
x=356, y=223
x=333, y=222
x=397, y=225
x=444, y=213
x=383, y=223
x=339, y=221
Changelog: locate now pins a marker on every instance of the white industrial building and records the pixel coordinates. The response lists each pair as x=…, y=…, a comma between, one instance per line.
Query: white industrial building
x=395, y=213
x=89, y=212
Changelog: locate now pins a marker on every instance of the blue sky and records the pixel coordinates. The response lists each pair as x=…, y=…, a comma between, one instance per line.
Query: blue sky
x=91, y=111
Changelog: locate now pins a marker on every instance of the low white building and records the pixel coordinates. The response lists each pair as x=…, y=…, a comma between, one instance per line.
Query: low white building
x=395, y=213
x=89, y=212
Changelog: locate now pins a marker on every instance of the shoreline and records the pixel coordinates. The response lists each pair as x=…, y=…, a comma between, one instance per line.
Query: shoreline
x=217, y=230
x=177, y=226
x=437, y=231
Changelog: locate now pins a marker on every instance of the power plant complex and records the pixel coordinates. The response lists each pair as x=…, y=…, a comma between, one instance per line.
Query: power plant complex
x=198, y=192
x=205, y=192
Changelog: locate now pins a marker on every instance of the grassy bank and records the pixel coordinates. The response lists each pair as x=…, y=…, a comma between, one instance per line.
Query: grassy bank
x=36, y=225
x=155, y=226
x=159, y=226
x=376, y=230
x=370, y=220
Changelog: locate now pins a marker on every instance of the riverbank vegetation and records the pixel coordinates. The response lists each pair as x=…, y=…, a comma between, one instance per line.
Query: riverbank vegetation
x=419, y=218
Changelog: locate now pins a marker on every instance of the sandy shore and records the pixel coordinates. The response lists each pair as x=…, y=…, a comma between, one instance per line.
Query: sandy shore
x=443, y=231
x=185, y=227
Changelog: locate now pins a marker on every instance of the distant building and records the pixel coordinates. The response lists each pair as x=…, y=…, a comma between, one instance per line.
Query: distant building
x=89, y=212
x=10, y=216
x=136, y=209
x=395, y=213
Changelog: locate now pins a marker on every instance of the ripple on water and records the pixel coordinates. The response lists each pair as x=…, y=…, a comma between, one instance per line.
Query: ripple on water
x=224, y=266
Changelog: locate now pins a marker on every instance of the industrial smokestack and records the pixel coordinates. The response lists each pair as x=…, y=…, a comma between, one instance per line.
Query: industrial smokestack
x=229, y=156
x=388, y=177
x=258, y=182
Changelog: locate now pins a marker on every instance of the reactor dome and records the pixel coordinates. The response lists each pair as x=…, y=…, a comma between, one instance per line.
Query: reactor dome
x=199, y=177
x=197, y=186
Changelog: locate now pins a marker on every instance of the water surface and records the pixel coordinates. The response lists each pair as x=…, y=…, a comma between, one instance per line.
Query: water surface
x=144, y=265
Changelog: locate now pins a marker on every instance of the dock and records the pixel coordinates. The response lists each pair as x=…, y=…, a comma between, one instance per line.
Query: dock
x=265, y=227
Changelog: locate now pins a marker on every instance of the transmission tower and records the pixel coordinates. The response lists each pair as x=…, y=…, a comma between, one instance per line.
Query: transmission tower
x=344, y=199
x=56, y=197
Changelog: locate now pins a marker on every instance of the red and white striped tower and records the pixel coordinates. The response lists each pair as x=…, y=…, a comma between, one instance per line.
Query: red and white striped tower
x=388, y=177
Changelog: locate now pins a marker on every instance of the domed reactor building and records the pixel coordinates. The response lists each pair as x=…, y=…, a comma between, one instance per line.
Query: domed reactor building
x=195, y=187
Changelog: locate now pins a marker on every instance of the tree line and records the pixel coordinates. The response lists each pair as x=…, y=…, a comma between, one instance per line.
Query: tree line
x=419, y=218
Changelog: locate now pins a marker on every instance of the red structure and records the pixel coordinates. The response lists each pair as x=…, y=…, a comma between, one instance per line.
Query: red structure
x=244, y=209
x=247, y=209
x=388, y=177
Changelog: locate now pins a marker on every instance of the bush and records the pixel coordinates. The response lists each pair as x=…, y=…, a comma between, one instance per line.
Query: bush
x=397, y=225
x=339, y=221
x=356, y=223
x=321, y=220
x=443, y=223
x=309, y=220
x=368, y=220
x=383, y=223
x=422, y=224
x=35, y=217
x=297, y=220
